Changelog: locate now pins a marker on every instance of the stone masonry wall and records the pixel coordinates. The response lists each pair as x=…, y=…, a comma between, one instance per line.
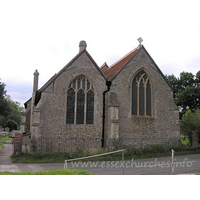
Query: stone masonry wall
x=52, y=123
x=121, y=127
x=140, y=130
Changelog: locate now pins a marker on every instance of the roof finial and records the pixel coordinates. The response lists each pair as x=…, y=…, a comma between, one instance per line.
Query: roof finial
x=140, y=40
x=82, y=45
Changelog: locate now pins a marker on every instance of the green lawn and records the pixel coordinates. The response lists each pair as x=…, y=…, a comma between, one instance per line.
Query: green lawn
x=4, y=139
x=136, y=153
x=51, y=172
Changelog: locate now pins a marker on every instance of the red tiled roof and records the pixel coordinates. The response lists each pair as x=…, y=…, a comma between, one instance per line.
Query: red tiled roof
x=103, y=65
x=112, y=71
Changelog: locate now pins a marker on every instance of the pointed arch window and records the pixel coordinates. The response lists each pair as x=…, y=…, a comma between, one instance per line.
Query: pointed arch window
x=141, y=94
x=80, y=102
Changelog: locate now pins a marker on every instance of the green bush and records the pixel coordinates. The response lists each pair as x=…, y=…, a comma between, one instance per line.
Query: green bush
x=157, y=148
x=12, y=124
x=190, y=122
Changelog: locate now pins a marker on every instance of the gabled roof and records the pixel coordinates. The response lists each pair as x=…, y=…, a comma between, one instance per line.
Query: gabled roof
x=63, y=69
x=104, y=67
x=113, y=70
x=109, y=73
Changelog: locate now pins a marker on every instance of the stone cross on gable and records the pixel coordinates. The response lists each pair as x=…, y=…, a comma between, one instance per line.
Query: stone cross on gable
x=140, y=40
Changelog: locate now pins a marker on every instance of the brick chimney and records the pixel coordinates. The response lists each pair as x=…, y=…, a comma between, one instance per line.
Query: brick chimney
x=82, y=45
x=35, y=81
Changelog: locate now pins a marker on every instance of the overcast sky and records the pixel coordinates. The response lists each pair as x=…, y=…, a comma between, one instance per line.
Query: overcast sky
x=45, y=35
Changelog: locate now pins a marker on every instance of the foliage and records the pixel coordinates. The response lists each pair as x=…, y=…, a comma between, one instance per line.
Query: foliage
x=190, y=122
x=51, y=172
x=11, y=124
x=4, y=108
x=185, y=140
x=186, y=91
x=154, y=151
x=15, y=113
x=9, y=110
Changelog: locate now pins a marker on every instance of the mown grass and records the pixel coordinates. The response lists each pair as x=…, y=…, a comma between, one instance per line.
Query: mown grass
x=155, y=151
x=51, y=172
x=4, y=139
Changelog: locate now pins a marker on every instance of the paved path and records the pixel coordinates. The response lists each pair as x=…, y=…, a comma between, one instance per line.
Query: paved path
x=7, y=150
x=154, y=166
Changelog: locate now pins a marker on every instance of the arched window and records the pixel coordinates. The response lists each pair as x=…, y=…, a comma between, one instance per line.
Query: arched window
x=80, y=102
x=141, y=94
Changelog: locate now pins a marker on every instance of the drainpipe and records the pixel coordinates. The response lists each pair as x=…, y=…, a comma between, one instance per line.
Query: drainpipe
x=108, y=83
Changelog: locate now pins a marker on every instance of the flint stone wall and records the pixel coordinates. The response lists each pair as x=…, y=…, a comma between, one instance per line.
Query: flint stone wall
x=159, y=128
x=49, y=120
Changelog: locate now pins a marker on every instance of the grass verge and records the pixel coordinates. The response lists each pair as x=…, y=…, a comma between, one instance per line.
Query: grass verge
x=155, y=151
x=51, y=172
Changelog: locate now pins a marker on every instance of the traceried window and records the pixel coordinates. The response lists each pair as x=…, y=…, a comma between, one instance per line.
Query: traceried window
x=80, y=102
x=141, y=94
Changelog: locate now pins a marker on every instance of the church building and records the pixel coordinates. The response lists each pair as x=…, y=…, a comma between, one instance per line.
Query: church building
x=129, y=103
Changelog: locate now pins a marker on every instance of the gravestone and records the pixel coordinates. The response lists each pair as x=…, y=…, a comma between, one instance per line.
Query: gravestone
x=1, y=129
x=7, y=129
x=2, y=134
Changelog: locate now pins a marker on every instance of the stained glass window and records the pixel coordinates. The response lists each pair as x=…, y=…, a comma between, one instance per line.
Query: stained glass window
x=90, y=107
x=148, y=99
x=134, y=97
x=80, y=107
x=80, y=102
x=141, y=98
x=141, y=94
x=70, y=106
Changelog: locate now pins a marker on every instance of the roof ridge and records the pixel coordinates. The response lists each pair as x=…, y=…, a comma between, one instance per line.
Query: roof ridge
x=124, y=56
x=103, y=65
x=67, y=65
x=114, y=69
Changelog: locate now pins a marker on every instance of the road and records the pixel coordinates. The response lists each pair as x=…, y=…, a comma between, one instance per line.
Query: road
x=154, y=166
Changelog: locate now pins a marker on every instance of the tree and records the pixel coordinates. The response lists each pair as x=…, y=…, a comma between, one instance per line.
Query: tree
x=190, y=122
x=186, y=91
x=174, y=82
x=15, y=110
x=9, y=110
x=12, y=124
x=4, y=107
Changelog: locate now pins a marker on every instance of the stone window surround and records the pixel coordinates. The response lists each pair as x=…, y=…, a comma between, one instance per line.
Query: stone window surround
x=86, y=90
x=152, y=92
